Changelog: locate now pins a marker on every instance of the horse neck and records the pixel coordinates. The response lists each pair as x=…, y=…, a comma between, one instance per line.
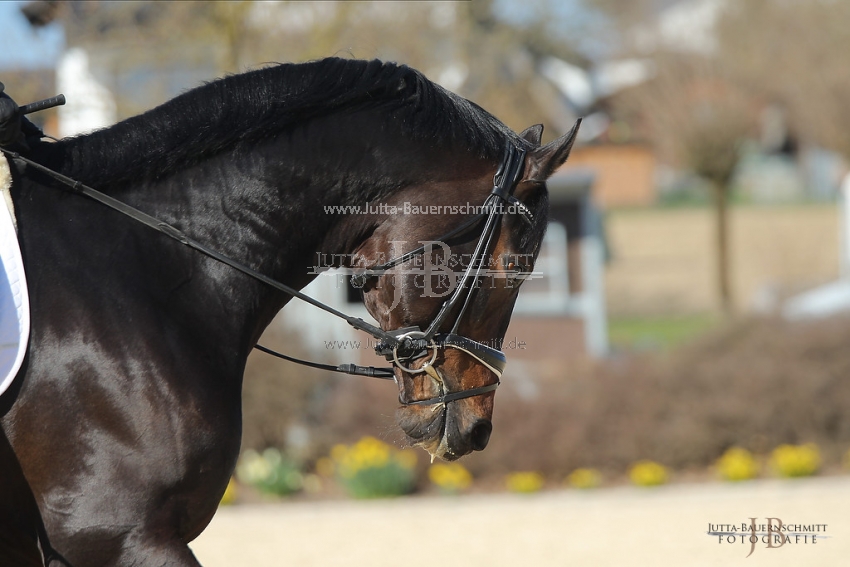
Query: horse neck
x=267, y=210
x=265, y=206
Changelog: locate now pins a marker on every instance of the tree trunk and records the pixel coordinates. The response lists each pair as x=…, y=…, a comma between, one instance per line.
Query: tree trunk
x=721, y=216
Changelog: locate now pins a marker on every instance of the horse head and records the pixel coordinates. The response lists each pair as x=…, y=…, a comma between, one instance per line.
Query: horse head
x=446, y=404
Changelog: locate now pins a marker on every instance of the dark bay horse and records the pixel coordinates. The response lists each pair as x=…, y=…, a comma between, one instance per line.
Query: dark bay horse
x=123, y=427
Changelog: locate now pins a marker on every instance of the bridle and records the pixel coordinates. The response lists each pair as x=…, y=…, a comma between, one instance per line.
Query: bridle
x=416, y=343
x=404, y=346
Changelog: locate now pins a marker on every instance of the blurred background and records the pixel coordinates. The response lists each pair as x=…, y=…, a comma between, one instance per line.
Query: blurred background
x=695, y=282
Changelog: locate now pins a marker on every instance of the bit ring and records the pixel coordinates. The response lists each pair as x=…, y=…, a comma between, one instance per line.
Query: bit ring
x=413, y=335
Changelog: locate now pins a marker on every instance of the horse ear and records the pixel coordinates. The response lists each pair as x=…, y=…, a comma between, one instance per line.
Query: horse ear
x=544, y=160
x=533, y=134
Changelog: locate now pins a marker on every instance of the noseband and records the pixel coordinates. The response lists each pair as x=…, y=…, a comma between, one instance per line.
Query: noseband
x=403, y=346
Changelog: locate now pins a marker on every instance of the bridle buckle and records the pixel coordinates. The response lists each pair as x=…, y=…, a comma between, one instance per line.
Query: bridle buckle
x=410, y=341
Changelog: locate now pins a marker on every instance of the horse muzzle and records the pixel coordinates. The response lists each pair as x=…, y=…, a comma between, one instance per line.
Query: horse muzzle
x=449, y=428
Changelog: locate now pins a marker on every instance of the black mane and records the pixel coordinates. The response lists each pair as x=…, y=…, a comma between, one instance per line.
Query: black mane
x=260, y=104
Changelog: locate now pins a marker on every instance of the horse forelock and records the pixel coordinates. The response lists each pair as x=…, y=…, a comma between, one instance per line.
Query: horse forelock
x=261, y=104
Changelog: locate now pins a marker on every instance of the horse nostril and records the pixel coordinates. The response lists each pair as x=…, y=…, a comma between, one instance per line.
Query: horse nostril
x=479, y=436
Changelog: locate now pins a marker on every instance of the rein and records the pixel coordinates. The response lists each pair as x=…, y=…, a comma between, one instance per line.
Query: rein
x=400, y=346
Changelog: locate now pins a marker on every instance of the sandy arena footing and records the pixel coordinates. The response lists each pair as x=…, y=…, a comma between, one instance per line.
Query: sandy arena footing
x=605, y=527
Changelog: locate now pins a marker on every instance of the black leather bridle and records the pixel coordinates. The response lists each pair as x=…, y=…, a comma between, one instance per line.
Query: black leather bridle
x=416, y=342
x=403, y=346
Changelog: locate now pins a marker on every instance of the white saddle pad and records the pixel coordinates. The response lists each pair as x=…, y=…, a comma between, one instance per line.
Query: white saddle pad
x=14, y=300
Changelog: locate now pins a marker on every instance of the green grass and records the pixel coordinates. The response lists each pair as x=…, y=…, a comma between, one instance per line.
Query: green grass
x=658, y=333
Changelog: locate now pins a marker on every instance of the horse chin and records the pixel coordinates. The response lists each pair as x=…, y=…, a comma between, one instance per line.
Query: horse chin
x=429, y=433
x=438, y=449
x=432, y=447
x=423, y=426
x=443, y=451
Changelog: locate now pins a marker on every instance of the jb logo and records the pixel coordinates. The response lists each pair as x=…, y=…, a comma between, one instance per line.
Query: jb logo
x=774, y=537
x=774, y=533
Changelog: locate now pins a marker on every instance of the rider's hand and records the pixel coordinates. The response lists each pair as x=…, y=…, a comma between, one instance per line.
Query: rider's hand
x=10, y=120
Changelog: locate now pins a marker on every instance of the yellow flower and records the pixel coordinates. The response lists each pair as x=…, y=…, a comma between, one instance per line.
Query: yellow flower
x=229, y=496
x=450, y=477
x=369, y=453
x=648, y=473
x=406, y=458
x=737, y=464
x=584, y=478
x=796, y=460
x=366, y=453
x=371, y=468
x=325, y=467
x=524, y=482
x=338, y=452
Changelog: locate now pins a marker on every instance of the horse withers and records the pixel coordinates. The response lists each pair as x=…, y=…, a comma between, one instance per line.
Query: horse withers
x=123, y=426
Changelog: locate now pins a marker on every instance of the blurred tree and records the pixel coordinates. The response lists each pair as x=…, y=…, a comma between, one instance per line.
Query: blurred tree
x=694, y=111
x=769, y=53
x=26, y=86
x=697, y=118
x=469, y=47
x=465, y=46
x=794, y=54
x=147, y=52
